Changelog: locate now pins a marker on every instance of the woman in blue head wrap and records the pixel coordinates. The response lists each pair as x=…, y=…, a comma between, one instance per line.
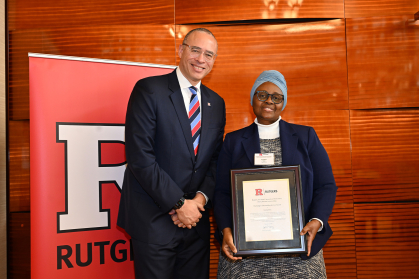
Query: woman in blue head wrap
x=290, y=144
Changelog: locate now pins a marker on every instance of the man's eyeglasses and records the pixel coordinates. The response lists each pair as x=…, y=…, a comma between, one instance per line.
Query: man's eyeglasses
x=275, y=97
x=197, y=51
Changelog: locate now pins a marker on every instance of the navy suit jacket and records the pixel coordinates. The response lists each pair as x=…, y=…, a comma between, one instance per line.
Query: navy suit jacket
x=161, y=165
x=300, y=146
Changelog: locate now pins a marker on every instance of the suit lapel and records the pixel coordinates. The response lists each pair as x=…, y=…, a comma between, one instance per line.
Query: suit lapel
x=289, y=139
x=178, y=103
x=205, y=120
x=251, y=143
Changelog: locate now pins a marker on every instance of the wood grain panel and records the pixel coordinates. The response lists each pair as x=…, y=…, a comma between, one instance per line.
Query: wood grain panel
x=19, y=166
x=383, y=62
x=145, y=43
x=332, y=127
x=386, y=240
x=385, y=154
x=370, y=8
x=339, y=251
x=18, y=246
x=49, y=13
x=190, y=11
x=311, y=56
x=214, y=248
x=20, y=43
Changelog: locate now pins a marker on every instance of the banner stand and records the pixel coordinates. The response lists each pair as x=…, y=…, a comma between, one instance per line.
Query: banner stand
x=77, y=159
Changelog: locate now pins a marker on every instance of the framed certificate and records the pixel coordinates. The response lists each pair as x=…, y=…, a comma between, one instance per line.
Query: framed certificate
x=268, y=211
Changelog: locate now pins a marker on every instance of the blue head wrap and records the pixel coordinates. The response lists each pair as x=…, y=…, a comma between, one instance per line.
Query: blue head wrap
x=270, y=76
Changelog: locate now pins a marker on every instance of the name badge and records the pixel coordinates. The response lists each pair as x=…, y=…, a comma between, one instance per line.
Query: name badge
x=264, y=159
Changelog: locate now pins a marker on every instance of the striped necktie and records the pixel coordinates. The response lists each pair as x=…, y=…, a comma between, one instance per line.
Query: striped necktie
x=195, y=119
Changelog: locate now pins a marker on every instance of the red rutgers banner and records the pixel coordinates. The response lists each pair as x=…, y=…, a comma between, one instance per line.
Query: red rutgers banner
x=77, y=115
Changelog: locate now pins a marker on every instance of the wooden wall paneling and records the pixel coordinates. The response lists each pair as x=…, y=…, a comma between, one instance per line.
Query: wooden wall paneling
x=383, y=62
x=20, y=43
x=218, y=10
x=370, y=8
x=214, y=248
x=385, y=154
x=339, y=252
x=49, y=13
x=19, y=248
x=139, y=43
x=311, y=56
x=387, y=240
x=3, y=142
x=19, y=166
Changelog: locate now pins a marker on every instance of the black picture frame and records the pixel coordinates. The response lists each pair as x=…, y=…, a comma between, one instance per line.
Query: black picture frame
x=296, y=244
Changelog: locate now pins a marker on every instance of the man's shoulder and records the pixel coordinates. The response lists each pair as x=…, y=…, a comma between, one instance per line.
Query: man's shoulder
x=153, y=84
x=154, y=80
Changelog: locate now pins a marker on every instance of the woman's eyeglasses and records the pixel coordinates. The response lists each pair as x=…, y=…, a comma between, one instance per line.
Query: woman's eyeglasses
x=275, y=97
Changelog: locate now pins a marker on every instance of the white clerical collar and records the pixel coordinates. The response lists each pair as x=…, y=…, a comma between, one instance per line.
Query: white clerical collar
x=270, y=131
x=184, y=83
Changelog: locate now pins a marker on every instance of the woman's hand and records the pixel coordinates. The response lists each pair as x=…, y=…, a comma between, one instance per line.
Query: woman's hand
x=228, y=244
x=311, y=228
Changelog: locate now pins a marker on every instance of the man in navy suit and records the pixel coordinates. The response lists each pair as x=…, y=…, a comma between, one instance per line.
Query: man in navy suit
x=173, y=135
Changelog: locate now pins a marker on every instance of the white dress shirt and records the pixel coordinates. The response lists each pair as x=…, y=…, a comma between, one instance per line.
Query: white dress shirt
x=186, y=93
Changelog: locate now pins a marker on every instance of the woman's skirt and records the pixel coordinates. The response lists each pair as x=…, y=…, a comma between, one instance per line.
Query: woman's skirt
x=276, y=266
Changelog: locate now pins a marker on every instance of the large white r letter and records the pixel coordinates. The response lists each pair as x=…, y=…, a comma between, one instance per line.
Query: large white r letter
x=84, y=174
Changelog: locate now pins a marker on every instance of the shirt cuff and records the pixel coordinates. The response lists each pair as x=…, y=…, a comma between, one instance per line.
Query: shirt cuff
x=321, y=222
x=206, y=199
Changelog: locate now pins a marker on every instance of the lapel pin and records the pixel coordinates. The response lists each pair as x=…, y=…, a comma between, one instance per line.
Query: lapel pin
x=209, y=104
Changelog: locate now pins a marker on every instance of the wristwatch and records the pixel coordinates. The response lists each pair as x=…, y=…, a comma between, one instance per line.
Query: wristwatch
x=180, y=203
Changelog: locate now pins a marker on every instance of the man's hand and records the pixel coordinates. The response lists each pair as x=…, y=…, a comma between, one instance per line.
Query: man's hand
x=311, y=228
x=200, y=199
x=188, y=215
x=228, y=244
x=176, y=220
